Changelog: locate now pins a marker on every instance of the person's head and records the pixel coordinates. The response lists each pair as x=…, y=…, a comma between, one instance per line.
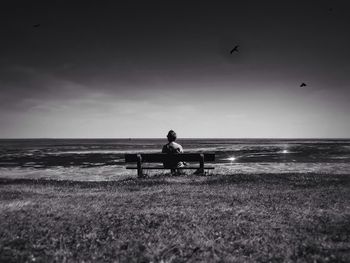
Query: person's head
x=171, y=136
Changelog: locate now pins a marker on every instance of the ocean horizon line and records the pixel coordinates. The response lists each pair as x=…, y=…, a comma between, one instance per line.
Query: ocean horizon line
x=182, y=138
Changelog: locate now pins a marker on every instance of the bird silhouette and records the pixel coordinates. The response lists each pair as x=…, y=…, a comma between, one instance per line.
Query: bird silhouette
x=36, y=25
x=303, y=85
x=235, y=49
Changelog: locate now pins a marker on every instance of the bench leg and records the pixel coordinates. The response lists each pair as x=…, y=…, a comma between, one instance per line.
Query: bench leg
x=139, y=166
x=201, y=164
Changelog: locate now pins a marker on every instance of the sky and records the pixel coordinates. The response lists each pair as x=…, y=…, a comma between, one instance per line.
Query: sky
x=136, y=69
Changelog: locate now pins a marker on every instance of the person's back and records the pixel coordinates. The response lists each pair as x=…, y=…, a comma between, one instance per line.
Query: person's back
x=172, y=148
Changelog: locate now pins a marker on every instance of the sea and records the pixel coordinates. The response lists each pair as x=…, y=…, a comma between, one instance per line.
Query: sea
x=103, y=159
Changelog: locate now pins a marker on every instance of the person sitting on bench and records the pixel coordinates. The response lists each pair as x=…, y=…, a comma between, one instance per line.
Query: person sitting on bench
x=172, y=148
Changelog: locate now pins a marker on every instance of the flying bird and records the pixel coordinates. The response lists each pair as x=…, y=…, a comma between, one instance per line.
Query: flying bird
x=235, y=49
x=36, y=25
x=303, y=85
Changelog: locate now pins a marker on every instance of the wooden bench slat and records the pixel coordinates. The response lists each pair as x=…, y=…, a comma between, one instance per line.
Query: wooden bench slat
x=162, y=168
x=163, y=157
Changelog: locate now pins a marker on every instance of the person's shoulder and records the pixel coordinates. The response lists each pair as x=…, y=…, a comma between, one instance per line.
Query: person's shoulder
x=176, y=145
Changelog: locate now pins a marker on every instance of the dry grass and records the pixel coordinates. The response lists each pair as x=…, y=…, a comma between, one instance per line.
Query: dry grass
x=295, y=217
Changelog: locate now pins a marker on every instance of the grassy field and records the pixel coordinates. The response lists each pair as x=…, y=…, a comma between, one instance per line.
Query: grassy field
x=264, y=218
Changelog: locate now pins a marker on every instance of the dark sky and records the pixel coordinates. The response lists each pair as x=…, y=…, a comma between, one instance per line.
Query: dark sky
x=140, y=68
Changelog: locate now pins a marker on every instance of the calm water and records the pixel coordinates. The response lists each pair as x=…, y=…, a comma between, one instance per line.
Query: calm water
x=103, y=159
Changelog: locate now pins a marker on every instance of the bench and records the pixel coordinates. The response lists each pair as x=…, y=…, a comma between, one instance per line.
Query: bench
x=162, y=158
